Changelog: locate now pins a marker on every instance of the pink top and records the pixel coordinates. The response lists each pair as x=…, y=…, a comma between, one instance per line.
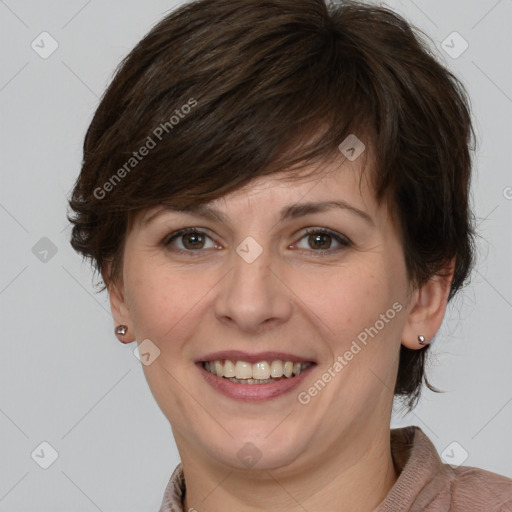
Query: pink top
x=425, y=483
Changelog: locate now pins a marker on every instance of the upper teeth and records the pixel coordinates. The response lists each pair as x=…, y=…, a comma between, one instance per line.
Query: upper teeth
x=261, y=370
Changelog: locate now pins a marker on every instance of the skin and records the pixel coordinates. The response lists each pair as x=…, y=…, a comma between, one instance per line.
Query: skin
x=333, y=450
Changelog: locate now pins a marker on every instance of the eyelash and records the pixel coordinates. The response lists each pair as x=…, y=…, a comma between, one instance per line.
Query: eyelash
x=343, y=241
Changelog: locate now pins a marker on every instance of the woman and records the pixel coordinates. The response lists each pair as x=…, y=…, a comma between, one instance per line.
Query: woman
x=276, y=196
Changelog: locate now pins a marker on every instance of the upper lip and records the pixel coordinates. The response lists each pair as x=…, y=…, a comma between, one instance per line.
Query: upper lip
x=238, y=355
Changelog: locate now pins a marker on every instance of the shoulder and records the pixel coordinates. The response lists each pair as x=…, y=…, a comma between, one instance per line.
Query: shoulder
x=426, y=483
x=478, y=489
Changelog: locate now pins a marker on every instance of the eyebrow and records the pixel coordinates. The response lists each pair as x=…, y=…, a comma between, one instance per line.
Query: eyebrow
x=288, y=212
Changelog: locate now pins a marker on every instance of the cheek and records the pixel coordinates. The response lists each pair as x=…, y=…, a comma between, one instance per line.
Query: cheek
x=365, y=315
x=361, y=305
x=160, y=297
x=347, y=299
x=168, y=305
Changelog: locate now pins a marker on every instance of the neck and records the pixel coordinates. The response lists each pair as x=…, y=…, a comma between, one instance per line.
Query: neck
x=355, y=476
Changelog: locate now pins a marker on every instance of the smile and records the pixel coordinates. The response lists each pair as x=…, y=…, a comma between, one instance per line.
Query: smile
x=261, y=372
x=254, y=377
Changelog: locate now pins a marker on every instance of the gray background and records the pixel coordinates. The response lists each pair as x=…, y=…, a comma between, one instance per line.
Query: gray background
x=64, y=377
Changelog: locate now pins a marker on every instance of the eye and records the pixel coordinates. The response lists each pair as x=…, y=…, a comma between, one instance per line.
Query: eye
x=191, y=239
x=320, y=240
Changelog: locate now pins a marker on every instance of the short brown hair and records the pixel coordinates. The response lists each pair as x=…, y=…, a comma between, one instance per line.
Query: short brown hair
x=236, y=89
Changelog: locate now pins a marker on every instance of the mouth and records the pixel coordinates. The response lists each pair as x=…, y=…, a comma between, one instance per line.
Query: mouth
x=254, y=377
x=261, y=372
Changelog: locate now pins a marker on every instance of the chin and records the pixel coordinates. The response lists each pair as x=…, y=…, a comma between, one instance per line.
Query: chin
x=257, y=448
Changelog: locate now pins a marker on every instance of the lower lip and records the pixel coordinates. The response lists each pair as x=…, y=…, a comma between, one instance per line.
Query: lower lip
x=253, y=392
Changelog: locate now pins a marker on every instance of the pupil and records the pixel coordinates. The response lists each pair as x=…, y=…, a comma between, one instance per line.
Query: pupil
x=317, y=239
x=193, y=236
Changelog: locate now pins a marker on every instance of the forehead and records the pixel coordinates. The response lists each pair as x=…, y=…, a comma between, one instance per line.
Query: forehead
x=288, y=195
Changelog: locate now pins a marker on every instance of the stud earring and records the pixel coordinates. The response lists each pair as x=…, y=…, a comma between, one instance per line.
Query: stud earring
x=121, y=330
x=421, y=340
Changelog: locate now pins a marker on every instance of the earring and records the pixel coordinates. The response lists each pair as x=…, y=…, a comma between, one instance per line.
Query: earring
x=421, y=340
x=121, y=330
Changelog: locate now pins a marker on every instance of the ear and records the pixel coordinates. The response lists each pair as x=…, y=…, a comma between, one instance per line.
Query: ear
x=118, y=305
x=428, y=309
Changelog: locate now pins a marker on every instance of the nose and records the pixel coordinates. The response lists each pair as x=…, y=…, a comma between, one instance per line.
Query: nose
x=254, y=296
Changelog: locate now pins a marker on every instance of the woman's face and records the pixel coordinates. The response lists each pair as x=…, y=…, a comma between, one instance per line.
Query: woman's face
x=256, y=287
